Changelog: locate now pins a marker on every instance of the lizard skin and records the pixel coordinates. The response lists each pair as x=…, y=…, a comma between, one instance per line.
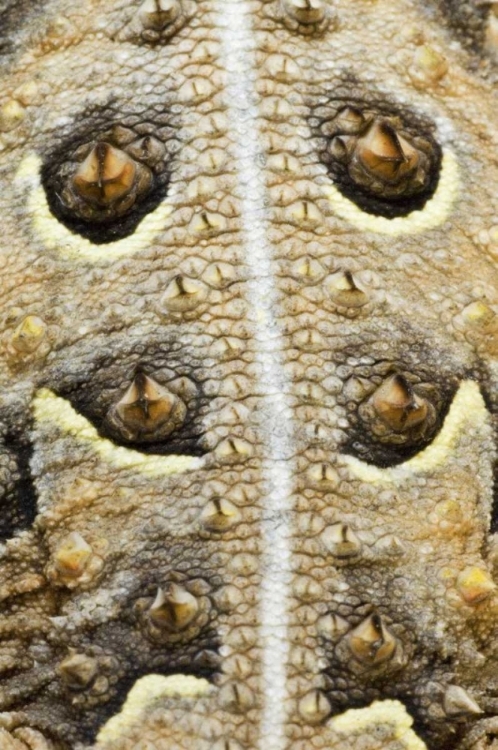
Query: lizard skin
x=330, y=578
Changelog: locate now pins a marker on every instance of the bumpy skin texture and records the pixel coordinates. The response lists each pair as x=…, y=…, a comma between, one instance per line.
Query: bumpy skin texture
x=319, y=558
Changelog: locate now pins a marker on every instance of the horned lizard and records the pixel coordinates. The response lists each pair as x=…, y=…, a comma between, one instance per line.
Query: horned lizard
x=249, y=316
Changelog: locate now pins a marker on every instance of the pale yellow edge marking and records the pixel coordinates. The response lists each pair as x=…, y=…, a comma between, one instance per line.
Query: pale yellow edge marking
x=48, y=407
x=358, y=721
x=145, y=692
x=55, y=236
x=434, y=213
x=468, y=408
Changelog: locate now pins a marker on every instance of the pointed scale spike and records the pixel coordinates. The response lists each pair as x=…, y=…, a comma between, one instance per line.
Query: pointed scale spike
x=349, y=120
x=332, y=626
x=236, y=697
x=147, y=411
x=106, y=175
x=387, y=163
x=397, y=405
x=233, y=450
x=173, y=608
x=156, y=15
x=371, y=643
x=77, y=671
x=343, y=290
x=380, y=150
x=475, y=585
x=457, y=702
x=220, y=515
x=29, y=334
x=72, y=555
x=341, y=540
x=314, y=707
x=184, y=294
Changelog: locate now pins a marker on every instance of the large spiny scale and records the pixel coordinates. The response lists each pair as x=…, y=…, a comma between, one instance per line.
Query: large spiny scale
x=379, y=159
x=106, y=175
x=106, y=184
x=73, y=672
x=382, y=151
x=397, y=405
x=62, y=664
x=173, y=609
x=147, y=411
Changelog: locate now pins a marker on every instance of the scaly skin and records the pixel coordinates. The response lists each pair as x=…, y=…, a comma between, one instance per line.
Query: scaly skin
x=248, y=383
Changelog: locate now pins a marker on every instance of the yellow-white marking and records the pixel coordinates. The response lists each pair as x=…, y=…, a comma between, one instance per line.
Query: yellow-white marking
x=392, y=714
x=467, y=410
x=239, y=52
x=52, y=409
x=56, y=237
x=434, y=213
x=147, y=691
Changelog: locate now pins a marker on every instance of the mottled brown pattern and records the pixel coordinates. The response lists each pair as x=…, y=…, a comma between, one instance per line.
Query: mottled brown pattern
x=178, y=271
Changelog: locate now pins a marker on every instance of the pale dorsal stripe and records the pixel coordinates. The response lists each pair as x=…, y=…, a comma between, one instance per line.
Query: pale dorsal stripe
x=238, y=45
x=48, y=408
x=467, y=410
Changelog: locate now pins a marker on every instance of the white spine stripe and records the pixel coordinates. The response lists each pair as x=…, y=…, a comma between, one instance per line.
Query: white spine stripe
x=238, y=49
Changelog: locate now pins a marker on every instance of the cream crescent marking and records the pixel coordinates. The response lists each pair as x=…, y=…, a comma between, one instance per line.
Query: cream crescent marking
x=56, y=237
x=386, y=714
x=434, y=213
x=144, y=693
x=467, y=410
x=53, y=409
